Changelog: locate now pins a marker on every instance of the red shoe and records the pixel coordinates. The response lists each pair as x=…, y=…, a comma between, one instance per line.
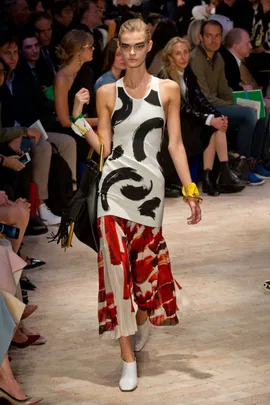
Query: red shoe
x=31, y=340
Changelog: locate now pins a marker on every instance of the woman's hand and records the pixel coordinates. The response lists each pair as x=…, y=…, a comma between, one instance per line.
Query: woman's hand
x=180, y=3
x=3, y=199
x=13, y=163
x=196, y=213
x=81, y=98
x=220, y=123
x=34, y=133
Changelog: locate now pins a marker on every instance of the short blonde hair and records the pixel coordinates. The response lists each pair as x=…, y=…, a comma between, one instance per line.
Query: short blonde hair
x=194, y=31
x=169, y=70
x=72, y=43
x=135, y=25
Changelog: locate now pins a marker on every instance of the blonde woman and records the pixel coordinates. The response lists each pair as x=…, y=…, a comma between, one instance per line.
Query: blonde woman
x=73, y=86
x=133, y=260
x=203, y=127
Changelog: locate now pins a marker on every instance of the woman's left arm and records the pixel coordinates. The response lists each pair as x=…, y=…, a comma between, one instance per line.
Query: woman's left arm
x=176, y=147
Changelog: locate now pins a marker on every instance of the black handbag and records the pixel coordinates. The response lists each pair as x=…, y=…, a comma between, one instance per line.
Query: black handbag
x=81, y=213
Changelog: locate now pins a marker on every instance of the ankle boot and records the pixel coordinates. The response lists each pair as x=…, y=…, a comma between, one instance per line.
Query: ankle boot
x=207, y=186
x=128, y=381
x=228, y=181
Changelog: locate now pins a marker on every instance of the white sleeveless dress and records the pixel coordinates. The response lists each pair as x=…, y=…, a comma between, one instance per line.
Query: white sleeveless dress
x=132, y=182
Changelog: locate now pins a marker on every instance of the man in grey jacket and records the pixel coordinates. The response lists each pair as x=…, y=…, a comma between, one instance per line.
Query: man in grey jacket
x=208, y=65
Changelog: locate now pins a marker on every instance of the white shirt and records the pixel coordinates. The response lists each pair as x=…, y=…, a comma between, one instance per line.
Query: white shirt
x=237, y=59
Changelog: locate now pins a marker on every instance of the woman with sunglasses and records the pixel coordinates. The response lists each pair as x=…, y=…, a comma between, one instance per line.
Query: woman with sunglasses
x=73, y=86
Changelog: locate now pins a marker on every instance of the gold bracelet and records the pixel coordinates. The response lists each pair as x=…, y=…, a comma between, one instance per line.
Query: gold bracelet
x=190, y=190
x=198, y=199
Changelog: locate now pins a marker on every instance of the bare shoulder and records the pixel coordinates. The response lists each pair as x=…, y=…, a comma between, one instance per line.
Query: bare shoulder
x=106, y=95
x=62, y=79
x=168, y=85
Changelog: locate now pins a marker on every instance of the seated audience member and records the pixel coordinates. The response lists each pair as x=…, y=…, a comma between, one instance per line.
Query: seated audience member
x=208, y=65
x=240, y=12
x=35, y=6
x=88, y=17
x=62, y=13
x=193, y=33
x=75, y=76
x=259, y=59
x=10, y=315
x=113, y=64
x=23, y=103
x=203, y=127
x=18, y=16
x=165, y=30
x=46, y=63
x=236, y=49
x=152, y=21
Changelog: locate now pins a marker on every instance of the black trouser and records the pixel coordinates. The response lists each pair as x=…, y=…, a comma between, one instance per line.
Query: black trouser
x=16, y=184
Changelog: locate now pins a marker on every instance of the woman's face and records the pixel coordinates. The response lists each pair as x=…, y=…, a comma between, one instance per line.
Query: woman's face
x=2, y=74
x=119, y=62
x=87, y=53
x=180, y=55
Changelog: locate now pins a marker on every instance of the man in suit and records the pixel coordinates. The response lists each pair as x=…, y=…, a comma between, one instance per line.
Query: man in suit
x=46, y=64
x=236, y=49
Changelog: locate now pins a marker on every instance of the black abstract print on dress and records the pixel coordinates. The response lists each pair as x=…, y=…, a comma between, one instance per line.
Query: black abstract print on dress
x=132, y=184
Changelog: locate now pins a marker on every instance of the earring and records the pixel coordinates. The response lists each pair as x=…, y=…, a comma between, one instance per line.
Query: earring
x=80, y=63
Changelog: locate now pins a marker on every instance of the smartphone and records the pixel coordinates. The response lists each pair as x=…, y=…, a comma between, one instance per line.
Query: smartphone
x=26, y=144
x=25, y=158
x=9, y=231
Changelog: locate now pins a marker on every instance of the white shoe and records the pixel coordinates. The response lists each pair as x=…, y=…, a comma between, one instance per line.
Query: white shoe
x=47, y=215
x=128, y=380
x=140, y=338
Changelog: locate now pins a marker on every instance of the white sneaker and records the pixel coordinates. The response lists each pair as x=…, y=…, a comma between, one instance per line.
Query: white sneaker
x=129, y=380
x=140, y=338
x=47, y=215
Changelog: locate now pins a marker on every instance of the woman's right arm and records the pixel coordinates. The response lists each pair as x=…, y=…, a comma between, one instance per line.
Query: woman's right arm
x=104, y=133
x=61, y=101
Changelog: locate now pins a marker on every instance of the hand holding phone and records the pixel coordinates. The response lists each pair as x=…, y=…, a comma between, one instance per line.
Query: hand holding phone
x=13, y=163
x=25, y=158
x=9, y=231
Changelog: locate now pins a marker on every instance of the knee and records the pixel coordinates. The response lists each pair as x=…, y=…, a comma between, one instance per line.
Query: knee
x=43, y=151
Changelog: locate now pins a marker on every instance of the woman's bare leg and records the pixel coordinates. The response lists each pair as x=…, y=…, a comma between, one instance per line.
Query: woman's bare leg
x=8, y=382
x=221, y=145
x=127, y=353
x=209, y=154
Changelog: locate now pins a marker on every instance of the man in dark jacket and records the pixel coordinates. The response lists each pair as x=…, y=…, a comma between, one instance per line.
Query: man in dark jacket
x=237, y=48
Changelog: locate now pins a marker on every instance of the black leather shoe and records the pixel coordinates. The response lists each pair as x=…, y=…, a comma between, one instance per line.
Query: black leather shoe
x=207, y=186
x=36, y=226
x=26, y=284
x=228, y=181
x=33, y=263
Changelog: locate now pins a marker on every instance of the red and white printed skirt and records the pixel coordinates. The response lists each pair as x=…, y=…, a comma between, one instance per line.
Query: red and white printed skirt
x=134, y=266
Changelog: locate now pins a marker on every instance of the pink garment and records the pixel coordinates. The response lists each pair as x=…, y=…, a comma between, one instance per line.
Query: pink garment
x=10, y=263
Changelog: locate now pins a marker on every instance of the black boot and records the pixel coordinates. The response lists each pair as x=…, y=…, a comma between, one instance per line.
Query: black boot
x=228, y=181
x=207, y=186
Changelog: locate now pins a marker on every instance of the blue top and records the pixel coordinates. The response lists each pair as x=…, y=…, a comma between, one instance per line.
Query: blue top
x=106, y=78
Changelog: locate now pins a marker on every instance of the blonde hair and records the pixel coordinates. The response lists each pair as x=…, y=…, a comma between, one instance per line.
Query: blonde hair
x=135, y=25
x=169, y=69
x=194, y=30
x=72, y=43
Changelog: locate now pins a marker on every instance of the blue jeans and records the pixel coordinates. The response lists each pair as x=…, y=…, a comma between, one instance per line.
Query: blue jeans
x=249, y=133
